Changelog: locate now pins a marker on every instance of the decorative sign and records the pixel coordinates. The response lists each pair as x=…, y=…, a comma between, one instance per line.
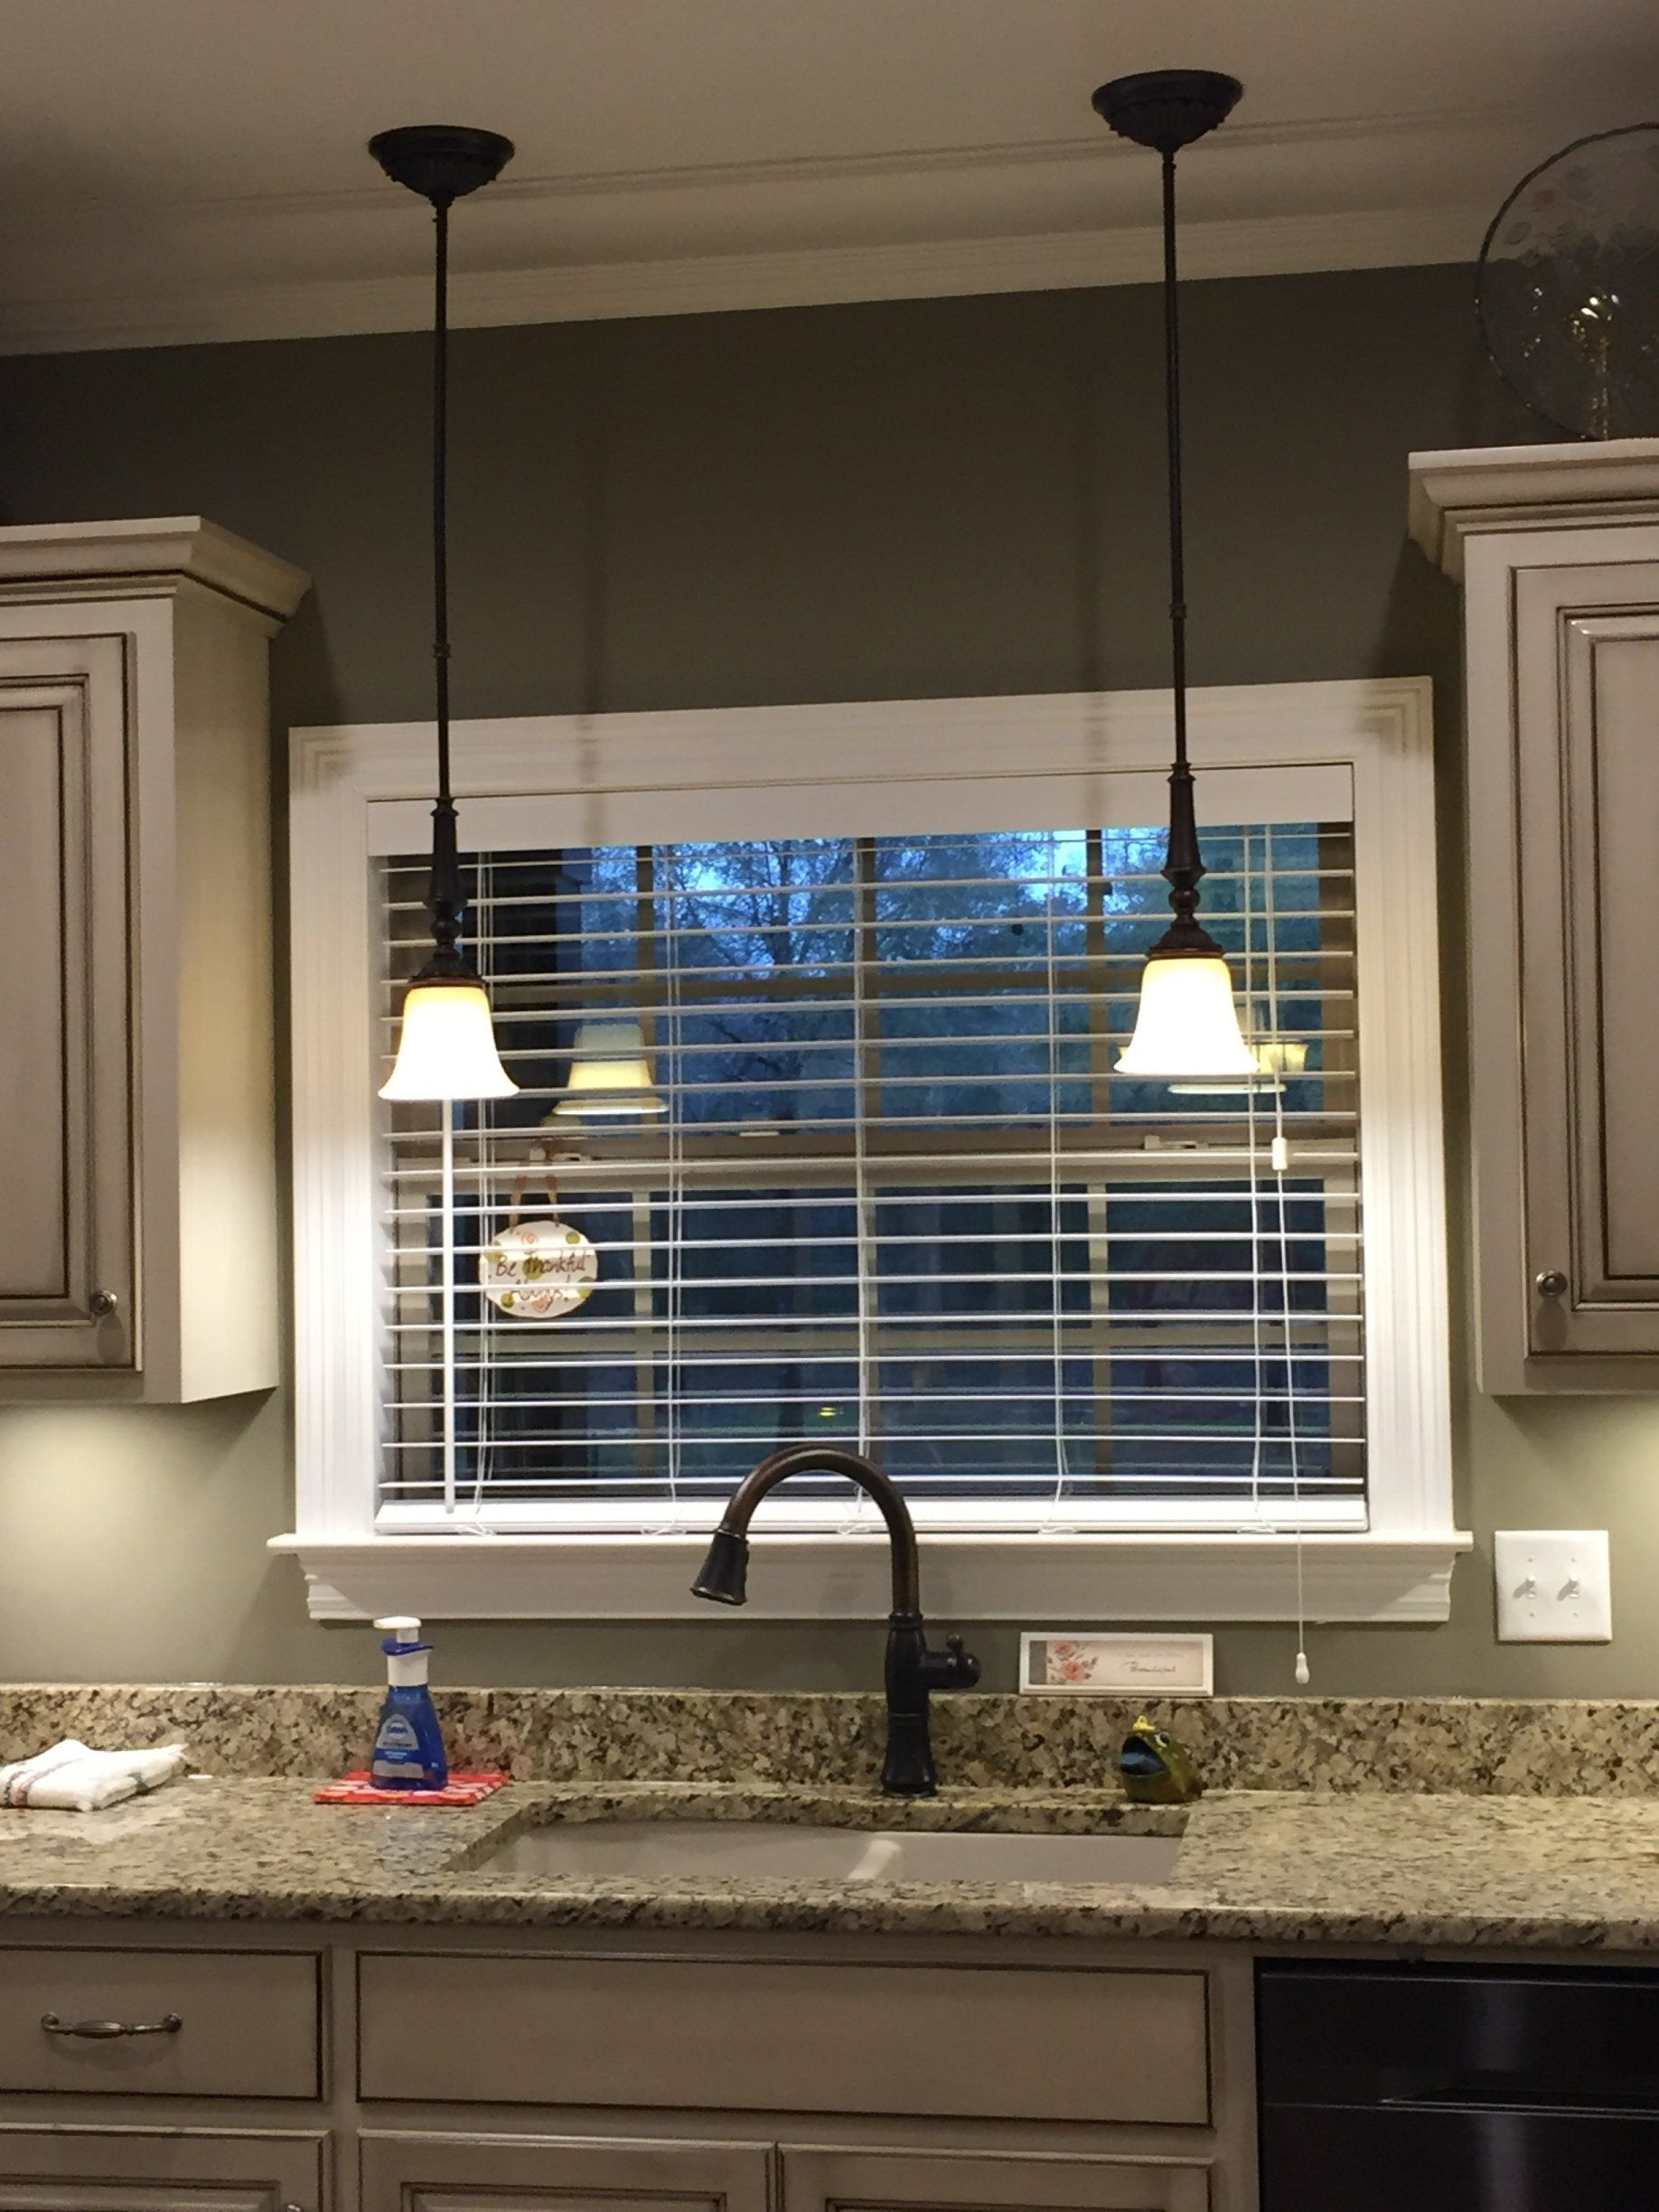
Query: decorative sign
x=1144, y=1667
x=538, y=1270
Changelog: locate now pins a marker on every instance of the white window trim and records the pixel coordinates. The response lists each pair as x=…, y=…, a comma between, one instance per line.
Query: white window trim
x=358, y=790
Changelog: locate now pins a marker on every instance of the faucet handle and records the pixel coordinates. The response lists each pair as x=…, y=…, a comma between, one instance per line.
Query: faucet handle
x=963, y=1667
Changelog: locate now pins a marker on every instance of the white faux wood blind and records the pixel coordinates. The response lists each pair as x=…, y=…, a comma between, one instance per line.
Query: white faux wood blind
x=898, y=1198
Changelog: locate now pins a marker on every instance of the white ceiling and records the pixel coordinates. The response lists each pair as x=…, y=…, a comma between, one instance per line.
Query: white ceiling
x=177, y=170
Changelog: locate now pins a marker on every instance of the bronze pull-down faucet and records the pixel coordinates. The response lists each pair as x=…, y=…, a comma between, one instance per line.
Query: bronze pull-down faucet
x=913, y=1671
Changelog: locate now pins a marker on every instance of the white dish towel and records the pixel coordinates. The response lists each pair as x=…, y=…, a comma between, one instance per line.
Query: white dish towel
x=73, y=1778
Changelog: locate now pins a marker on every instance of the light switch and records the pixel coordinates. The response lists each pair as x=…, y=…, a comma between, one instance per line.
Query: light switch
x=1553, y=1586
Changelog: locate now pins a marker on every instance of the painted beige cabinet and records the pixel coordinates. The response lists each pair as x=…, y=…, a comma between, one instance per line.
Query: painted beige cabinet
x=949, y=2042
x=137, y=1185
x=52, y=2168
x=838, y=2180
x=474, y=2173
x=155, y=2068
x=1558, y=550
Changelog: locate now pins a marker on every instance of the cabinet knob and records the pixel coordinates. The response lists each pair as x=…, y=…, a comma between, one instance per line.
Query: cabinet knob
x=103, y=1303
x=1550, y=1284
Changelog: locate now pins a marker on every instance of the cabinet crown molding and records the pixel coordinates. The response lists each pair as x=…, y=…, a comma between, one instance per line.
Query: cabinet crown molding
x=163, y=547
x=1456, y=495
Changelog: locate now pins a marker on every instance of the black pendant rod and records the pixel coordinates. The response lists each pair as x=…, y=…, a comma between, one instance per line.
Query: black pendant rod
x=1166, y=109
x=442, y=163
x=440, y=489
x=1172, y=419
x=446, y=892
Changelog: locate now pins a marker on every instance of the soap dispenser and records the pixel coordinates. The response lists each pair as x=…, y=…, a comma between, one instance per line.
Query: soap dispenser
x=408, y=1744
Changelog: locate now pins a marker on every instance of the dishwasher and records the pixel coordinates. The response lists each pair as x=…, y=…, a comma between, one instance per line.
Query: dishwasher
x=1458, y=2089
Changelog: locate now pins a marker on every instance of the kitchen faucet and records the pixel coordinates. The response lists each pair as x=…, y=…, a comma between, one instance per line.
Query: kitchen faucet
x=912, y=1671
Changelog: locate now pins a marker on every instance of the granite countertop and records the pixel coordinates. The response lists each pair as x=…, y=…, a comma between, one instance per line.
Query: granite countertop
x=1399, y=1869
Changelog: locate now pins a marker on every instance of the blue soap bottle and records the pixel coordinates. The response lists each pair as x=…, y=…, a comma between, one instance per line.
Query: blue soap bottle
x=408, y=1744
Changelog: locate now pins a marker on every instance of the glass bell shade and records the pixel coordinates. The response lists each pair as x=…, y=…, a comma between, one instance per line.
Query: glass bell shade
x=1188, y=1024
x=610, y=1073
x=447, y=1047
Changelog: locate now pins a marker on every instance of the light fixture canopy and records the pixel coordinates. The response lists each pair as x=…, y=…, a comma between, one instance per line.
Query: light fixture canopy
x=1187, y=1023
x=447, y=1043
x=610, y=1074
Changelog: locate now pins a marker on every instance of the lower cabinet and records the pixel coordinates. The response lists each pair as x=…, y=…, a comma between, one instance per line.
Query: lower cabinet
x=158, y=2170
x=496, y=2173
x=489, y=2173
x=156, y=2073
x=836, y=2180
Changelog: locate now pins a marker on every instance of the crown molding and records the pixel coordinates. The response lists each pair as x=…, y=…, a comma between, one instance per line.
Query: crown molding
x=1265, y=199
x=164, y=547
x=1456, y=495
x=827, y=275
x=1099, y=146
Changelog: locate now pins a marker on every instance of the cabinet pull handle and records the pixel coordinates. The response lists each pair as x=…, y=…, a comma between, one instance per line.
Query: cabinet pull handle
x=103, y=1303
x=1550, y=1284
x=104, y=2031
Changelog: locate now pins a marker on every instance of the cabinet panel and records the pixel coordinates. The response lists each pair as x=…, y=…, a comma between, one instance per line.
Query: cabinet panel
x=836, y=2180
x=967, y=2042
x=141, y=2170
x=499, y=2173
x=1587, y=792
x=66, y=1174
x=248, y=2022
x=137, y=1183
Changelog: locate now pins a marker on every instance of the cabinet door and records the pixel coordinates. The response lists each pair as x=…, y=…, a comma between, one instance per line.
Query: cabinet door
x=141, y=2170
x=518, y=2173
x=836, y=2181
x=66, y=1165
x=1588, y=792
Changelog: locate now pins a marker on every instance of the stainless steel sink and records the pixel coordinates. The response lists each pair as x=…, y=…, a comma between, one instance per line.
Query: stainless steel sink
x=665, y=1850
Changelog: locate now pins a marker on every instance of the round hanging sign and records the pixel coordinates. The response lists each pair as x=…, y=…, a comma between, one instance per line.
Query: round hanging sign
x=536, y=1270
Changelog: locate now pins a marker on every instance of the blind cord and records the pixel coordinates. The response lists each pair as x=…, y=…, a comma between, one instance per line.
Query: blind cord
x=670, y=1048
x=865, y=1286
x=863, y=860
x=1056, y=1248
x=446, y=1295
x=1281, y=1167
x=483, y=1450
x=1252, y=1141
x=676, y=1224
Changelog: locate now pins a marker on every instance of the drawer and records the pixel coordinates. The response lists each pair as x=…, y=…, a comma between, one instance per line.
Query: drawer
x=248, y=2022
x=956, y=2042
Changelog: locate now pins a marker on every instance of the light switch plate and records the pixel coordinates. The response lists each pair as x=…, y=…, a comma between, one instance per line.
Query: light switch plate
x=1553, y=1586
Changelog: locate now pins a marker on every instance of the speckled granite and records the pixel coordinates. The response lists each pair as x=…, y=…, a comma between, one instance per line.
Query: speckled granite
x=1400, y=1871
x=1474, y=1745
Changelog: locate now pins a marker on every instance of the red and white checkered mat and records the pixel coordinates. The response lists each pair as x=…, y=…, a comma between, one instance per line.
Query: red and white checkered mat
x=461, y=1789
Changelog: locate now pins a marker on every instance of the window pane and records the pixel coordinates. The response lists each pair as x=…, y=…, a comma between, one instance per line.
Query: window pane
x=875, y=1181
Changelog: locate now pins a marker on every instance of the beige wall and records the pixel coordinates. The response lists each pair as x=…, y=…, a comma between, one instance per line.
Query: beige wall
x=924, y=498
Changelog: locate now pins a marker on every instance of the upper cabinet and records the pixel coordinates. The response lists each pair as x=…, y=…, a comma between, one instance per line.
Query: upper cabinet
x=137, y=1183
x=1557, y=549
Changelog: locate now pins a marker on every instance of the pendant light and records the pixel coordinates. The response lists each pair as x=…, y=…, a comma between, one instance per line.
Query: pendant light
x=1187, y=1025
x=610, y=1073
x=446, y=1045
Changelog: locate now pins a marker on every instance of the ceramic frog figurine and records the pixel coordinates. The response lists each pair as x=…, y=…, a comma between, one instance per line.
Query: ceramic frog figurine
x=1156, y=1769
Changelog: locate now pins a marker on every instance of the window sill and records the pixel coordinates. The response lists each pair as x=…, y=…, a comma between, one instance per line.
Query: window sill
x=1399, y=1578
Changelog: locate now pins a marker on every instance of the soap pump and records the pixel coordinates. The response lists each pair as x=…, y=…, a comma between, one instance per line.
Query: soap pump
x=408, y=1744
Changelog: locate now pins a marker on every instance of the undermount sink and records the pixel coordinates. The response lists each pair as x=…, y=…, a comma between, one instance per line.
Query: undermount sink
x=647, y=1849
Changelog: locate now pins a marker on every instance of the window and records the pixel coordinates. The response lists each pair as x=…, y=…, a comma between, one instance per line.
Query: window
x=873, y=1177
